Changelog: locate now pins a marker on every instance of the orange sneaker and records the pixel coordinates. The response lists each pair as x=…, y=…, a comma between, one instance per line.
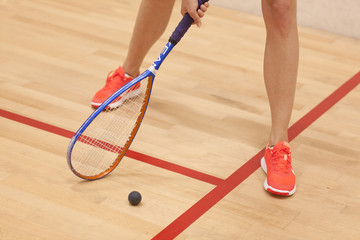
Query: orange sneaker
x=115, y=80
x=276, y=163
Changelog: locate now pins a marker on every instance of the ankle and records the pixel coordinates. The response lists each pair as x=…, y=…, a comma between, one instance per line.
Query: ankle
x=132, y=72
x=273, y=140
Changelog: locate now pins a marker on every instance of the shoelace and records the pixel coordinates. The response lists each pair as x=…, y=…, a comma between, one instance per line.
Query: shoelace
x=111, y=82
x=281, y=159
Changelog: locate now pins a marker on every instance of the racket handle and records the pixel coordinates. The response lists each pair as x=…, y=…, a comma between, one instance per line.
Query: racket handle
x=183, y=26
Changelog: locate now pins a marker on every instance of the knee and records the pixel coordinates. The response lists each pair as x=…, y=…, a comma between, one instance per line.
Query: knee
x=281, y=14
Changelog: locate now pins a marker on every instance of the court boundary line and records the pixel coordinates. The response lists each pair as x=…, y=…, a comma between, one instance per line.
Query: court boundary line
x=207, y=178
x=220, y=191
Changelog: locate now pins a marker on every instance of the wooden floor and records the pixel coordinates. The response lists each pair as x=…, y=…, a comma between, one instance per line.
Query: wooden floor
x=208, y=113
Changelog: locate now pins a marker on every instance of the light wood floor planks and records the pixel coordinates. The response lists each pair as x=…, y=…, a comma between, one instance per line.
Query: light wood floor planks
x=208, y=112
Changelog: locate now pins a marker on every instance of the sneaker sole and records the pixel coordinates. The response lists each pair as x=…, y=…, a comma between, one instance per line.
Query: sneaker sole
x=113, y=105
x=271, y=189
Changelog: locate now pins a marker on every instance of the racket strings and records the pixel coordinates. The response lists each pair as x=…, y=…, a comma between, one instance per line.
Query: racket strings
x=109, y=134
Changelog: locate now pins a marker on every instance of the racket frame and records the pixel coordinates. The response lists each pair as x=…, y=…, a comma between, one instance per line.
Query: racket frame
x=149, y=73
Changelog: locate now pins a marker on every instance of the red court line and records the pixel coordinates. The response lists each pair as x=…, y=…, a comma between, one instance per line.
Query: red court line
x=175, y=168
x=132, y=154
x=323, y=106
x=221, y=190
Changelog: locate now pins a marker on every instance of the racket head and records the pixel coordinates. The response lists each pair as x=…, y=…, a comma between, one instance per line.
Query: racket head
x=102, y=141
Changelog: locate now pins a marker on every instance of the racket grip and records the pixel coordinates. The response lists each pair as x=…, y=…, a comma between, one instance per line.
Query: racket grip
x=183, y=26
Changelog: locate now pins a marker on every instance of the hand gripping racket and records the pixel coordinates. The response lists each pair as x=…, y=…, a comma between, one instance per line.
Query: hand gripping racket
x=102, y=141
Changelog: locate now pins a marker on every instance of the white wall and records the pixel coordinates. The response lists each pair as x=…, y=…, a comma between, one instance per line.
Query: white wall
x=337, y=16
